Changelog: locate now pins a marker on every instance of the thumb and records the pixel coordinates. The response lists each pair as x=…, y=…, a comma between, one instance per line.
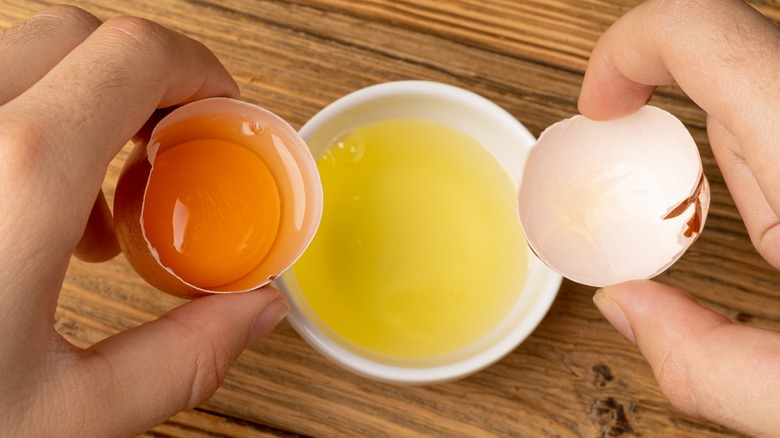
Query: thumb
x=705, y=365
x=143, y=376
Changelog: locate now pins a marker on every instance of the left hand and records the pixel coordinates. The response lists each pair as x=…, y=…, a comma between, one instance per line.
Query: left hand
x=73, y=91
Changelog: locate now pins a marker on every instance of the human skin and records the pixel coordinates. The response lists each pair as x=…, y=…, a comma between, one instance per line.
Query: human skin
x=726, y=57
x=73, y=91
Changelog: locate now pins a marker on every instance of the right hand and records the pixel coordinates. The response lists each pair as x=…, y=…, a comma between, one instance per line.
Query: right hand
x=726, y=57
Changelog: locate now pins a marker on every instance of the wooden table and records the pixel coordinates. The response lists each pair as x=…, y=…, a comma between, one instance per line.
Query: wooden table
x=575, y=377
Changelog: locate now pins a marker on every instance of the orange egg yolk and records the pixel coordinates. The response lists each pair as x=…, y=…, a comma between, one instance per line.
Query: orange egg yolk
x=211, y=211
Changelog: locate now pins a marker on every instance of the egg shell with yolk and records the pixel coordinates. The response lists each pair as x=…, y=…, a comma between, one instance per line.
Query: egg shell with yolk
x=275, y=143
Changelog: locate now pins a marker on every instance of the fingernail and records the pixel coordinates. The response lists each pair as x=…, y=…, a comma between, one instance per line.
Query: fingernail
x=614, y=314
x=269, y=318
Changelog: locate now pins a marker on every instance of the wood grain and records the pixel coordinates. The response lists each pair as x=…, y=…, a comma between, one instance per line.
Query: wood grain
x=575, y=377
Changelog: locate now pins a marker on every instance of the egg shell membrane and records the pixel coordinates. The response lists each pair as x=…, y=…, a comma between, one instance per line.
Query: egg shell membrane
x=288, y=159
x=574, y=158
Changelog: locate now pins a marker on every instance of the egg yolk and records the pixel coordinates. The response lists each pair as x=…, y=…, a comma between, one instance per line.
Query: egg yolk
x=211, y=211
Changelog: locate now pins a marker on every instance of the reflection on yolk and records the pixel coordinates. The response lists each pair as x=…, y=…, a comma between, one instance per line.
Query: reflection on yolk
x=211, y=211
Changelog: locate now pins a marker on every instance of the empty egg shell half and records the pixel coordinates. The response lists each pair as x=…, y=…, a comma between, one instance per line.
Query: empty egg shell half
x=212, y=204
x=602, y=202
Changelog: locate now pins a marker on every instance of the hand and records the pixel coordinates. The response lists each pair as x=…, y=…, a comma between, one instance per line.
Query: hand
x=72, y=92
x=726, y=57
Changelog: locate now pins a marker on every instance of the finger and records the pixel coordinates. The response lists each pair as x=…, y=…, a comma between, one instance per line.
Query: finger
x=760, y=220
x=143, y=376
x=704, y=364
x=619, y=79
x=99, y=242
x=624, y=68
x=31, y=48
x=720, y=55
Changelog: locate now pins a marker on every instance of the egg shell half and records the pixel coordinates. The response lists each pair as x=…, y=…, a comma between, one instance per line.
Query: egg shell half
x=602, y=202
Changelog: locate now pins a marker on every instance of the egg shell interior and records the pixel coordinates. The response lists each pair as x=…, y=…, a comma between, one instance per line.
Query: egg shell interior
x=595, y=196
